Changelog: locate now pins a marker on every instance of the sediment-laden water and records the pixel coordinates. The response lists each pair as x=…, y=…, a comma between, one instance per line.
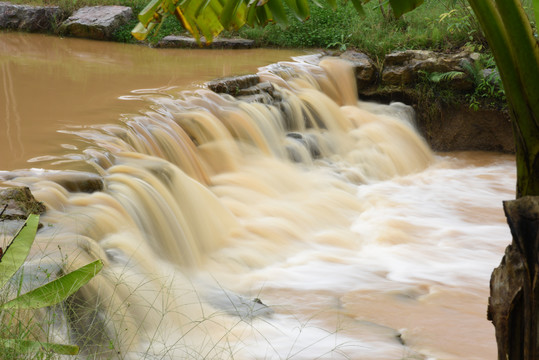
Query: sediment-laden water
x=315, y=227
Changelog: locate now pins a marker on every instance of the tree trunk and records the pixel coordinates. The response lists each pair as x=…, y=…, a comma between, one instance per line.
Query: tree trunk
x=513, y=306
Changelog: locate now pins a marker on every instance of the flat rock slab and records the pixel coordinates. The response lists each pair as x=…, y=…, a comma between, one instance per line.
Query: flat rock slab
x=174, y=41
x=96, y=22
x=29, y=18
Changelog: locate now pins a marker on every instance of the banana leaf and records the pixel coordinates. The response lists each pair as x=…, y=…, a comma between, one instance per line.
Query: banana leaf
x=17, y=251
x=56, y=290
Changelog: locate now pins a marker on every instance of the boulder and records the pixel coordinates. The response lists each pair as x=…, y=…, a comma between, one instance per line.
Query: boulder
x=405, y=67
x=29, y=18
x=174, y=41
x=233, y=85
x=364, y=68
x=96, y=22
x=16, y=203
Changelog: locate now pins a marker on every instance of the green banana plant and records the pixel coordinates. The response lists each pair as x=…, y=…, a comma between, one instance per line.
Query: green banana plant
x=209, y=17
x=11, y=259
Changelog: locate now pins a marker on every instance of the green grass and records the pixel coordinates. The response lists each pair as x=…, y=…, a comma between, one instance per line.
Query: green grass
x=373, y=34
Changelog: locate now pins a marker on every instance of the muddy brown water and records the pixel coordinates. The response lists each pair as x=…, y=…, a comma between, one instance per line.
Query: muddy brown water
x=50, y=84
x=373, y=248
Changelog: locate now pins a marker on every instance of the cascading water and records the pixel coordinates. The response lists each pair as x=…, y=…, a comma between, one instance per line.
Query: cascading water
x=311, y=226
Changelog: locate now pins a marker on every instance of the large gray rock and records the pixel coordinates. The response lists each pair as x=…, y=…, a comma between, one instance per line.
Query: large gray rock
x=96, y=22
x=405, y=67
x=174, y=41
x=29, y=18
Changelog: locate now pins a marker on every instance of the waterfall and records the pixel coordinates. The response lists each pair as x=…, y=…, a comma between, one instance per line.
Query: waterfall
x=204, y=193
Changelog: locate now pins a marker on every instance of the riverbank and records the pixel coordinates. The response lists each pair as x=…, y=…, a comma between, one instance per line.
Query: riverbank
x=438, y=26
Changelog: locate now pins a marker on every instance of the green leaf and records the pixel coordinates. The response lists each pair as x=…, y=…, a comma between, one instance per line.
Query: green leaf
x=303, y=9
x=251, y=15
x=56, y=290
x=27, y=346
x=147, y=14
x=358, y=7
x=332, y=3
x=277, y=10
x=140, y=32
x=18, y=250
x=403, y=6
x=203, y=5
x=263, y=15
x=229, y=11
x=536, y=12
x=291, y=4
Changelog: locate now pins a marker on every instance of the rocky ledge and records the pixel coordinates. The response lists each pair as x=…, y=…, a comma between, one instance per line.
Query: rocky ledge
x=447, y=124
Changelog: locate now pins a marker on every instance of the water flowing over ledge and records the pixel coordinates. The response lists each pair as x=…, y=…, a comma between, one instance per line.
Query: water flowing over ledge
x=315, y=227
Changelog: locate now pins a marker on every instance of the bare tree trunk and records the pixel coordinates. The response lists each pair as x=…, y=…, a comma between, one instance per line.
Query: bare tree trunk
x=514, y=292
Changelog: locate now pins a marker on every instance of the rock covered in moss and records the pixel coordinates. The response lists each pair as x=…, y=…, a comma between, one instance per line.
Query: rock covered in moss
x=16, y=203
x=233, y=85
x=405, y=67
x=28, y=18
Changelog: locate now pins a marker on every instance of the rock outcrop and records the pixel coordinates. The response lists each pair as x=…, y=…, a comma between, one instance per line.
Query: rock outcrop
x=405, y=67
x=29, y=18
x=446, y=126
x=96, y=22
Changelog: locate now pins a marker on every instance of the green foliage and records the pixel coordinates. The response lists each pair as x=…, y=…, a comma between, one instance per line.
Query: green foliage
x=459, y=18
x=55, y=291
x=488, y=89
x=437, y=77
x=371, y=33
x=49, y=294
x=324, y=29
x=340, y=45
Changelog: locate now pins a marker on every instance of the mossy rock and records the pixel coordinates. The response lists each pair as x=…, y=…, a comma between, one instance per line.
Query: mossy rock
x=16, y=203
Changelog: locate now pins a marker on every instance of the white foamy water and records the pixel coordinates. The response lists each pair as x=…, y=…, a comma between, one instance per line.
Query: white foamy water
x=314, y=227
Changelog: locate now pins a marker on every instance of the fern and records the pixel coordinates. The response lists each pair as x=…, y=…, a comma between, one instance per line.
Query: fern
x=474, y=70
x=437, y=77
